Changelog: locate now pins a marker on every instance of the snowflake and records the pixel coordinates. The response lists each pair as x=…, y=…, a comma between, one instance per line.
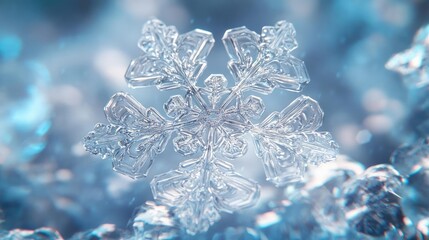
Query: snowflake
x=413, y=63
x=211, y=121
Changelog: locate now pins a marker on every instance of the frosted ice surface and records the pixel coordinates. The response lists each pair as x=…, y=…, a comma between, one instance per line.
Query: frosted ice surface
x=213, y=119
x=104, y=231
x=40, y=234
x=413, y=63
x=372, y=203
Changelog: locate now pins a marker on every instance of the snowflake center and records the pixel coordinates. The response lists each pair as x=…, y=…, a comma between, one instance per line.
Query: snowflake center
x=213, y=118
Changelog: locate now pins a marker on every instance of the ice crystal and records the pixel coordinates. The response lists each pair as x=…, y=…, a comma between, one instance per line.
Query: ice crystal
x=213, y=120
x=152, y=221
x=372, y=203
x=317, y=203
x=411, y=159
x=413, y=63
x=413, y=162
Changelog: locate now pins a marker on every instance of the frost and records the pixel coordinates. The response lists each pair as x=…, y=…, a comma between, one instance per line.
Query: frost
x=213, y=120
x=413, y=63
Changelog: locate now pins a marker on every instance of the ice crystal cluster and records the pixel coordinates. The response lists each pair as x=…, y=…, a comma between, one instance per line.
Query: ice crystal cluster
x=211, y=121
x=413, y=163
x=413, y=63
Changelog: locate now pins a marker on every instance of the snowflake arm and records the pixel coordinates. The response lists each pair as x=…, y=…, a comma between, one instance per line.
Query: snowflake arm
x=133, y=138
x=264, y=62
x=170, y=60
x=287, y=141
x=203, y=187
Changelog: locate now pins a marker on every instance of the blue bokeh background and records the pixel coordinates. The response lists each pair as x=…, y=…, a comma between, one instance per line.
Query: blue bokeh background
x=60, y=61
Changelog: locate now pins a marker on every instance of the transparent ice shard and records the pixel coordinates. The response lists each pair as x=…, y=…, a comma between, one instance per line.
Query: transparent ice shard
x=152, y=221
x=323, y=188
x=411, y=159
x=214, y=120
x=413, y=63
x=372, y=203
x=413, y=162
x=415, y=194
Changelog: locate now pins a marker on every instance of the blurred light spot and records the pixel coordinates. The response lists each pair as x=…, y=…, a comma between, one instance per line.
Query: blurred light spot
x=78, y=150
x=118, y=185
x=66, y=94
x=141, y=9
x=34, y=109
x=63, y=202
x=378, y=123
x=41, y=72
x=396, y=108
x=33, y=149
x=302, y=8
x=394, y=12
x=374, y=100
x=112, y=64
x=43, y=128
x=267, y=219
x=268, y=192
x=10, y=47
x=346, y=135
x=363, y=136
x=64, y=175
x=423, y=226
x=4, y=151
